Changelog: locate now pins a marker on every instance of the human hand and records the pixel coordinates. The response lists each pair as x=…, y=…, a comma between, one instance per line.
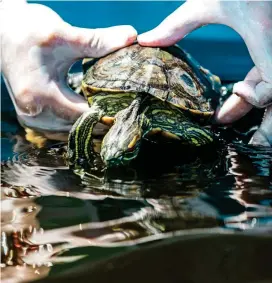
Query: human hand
x=38, y=48
x=252, y=20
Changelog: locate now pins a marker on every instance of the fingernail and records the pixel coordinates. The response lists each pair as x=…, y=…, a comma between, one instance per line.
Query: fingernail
x=131, y=39
x=131, y=34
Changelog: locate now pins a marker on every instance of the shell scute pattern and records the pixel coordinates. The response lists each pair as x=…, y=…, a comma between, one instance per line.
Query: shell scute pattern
x=155, y=71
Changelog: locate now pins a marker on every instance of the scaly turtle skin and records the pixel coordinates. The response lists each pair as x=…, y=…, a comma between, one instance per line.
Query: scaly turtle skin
x=151, y=118
x=103, y=108
x=119, y=88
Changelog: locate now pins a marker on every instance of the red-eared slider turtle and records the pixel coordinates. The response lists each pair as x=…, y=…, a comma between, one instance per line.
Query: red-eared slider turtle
x=147, y=117
x=119, y=88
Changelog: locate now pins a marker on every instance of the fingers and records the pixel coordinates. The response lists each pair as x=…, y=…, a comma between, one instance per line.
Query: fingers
x=81, y=42
x=259, y=139
x=235, y=107
x=263, y=136
x=86, y=43
x=56, y=111
x=68, y=105
x=99, y=42
x=254, y=90
x=232, y=110
x=257, y=94
x=185, y=19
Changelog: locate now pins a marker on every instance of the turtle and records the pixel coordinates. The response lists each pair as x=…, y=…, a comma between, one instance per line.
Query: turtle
x=82, y=150
x=123, y=83
x=144, y=121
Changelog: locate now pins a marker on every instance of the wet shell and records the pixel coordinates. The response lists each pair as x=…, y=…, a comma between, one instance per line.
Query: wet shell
x=170, y=74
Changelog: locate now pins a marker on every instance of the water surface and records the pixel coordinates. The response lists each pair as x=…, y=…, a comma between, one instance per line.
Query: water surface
x=54, y=219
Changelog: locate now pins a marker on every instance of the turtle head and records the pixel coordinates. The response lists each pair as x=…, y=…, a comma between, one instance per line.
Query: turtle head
x=120, y=150
x=122, y=143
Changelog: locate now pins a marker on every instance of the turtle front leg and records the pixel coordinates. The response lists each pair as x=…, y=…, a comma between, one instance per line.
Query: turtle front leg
x=81, y=148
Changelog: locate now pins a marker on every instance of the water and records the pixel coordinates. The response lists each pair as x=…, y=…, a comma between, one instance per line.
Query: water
x=206, y=217
x=54, y=219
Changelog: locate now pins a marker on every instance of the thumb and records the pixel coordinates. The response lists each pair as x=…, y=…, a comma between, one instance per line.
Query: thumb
x=188, y=17
x=83, y=42
x=102, y=41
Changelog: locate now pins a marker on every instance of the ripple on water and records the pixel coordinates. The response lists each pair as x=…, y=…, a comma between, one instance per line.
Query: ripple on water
x=52, y=217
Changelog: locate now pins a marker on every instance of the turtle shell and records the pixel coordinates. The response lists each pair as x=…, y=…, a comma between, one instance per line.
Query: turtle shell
x=170, y=74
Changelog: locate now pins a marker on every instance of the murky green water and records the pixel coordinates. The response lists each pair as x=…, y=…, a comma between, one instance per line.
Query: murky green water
x=54, y=220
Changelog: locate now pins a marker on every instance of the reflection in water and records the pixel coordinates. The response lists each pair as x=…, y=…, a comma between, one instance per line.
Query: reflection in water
x=48, y=210
x=54, y=217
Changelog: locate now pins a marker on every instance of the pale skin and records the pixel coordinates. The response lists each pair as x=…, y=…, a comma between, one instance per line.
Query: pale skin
x=253, y=21
x=38, y=48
